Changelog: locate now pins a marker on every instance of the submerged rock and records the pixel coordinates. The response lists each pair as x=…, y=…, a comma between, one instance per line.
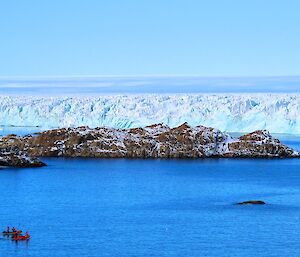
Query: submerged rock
x=155, y=141
x=252, y=202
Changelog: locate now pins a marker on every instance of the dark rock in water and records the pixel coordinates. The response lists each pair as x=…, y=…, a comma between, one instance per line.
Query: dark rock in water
x=252, y=202
x=19, y=160
x=13, y=154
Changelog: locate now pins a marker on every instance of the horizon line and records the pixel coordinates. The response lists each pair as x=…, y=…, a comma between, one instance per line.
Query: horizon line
x=146, y=76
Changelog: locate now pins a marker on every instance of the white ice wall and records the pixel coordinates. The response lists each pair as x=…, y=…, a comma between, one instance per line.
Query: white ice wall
x=278, y=113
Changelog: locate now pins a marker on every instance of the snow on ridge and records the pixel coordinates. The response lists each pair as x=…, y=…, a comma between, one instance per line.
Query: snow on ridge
x=277, y=113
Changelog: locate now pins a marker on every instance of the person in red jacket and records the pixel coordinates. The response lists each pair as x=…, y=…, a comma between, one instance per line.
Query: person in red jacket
x=27, y=235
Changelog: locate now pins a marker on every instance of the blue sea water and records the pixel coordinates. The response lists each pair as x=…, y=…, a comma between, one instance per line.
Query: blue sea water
x=141, y=208
x=96, y=207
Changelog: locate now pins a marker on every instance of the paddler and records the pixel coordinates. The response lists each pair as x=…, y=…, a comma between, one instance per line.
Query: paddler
x=27, y=235
x=7, y=229
x=15, y=234
x=13, y=229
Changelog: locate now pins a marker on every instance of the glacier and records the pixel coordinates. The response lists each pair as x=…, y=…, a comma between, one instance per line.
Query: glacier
x=278, y=113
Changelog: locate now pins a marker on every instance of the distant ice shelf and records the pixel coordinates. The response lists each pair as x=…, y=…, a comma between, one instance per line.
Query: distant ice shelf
x=278, y=113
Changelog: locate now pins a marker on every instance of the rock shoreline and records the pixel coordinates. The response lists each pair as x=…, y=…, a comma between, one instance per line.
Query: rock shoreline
x=19, y=160
x=155, y=141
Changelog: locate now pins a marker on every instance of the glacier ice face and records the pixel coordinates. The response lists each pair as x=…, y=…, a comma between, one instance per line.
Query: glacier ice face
x=278, y=113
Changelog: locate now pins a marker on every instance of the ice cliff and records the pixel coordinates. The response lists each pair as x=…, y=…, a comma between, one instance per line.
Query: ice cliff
x=278, y=113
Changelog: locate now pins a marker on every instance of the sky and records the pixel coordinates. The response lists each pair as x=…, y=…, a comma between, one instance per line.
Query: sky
x=53, y=38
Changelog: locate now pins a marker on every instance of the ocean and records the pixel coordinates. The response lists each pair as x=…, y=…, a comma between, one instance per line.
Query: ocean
x=125, y=207
x=121, y=207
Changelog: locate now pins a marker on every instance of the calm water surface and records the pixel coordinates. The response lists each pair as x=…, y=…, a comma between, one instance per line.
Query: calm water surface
x=86, y=207
x=184, y=208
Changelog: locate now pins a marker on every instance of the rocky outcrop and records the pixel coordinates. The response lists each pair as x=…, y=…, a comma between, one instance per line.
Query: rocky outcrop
x=12, y=159
x=155, y=141
x=259, y=143
x=12, y=153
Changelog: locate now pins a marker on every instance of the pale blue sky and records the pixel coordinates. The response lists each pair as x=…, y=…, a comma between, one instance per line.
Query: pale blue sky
x=149, y=37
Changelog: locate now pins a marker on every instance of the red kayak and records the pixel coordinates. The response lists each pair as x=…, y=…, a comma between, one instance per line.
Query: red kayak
x=20, y=238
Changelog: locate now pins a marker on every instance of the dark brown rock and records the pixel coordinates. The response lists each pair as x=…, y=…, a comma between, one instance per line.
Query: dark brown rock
x=252, y=202
x=155, y=141
x=21, y=161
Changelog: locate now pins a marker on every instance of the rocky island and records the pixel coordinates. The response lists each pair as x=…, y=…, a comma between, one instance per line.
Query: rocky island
x=155, y=141
x=15, y=158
